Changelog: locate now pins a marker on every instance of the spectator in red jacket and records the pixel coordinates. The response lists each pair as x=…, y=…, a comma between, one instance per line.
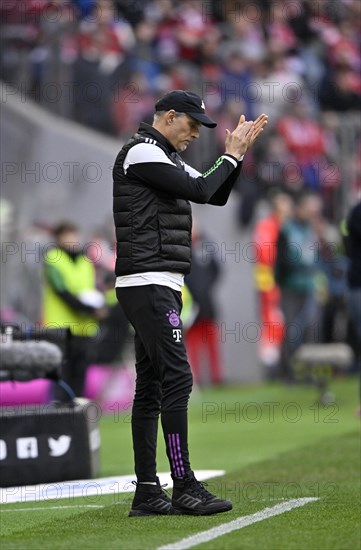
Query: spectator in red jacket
x=265, y=238
x=306, y=140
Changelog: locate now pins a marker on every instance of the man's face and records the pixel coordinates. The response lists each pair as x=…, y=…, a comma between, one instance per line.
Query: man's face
x=182, y=130
x=310, y=209
x=69, y=240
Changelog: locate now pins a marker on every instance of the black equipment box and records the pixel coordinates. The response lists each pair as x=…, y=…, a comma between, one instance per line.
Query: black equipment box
x=48, y=443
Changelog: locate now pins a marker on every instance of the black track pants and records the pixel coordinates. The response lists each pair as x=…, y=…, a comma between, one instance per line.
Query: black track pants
x=164, y=378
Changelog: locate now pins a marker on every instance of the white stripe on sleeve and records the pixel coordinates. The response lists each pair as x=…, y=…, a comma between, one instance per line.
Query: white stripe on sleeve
x=145, y=152
x=191, y=171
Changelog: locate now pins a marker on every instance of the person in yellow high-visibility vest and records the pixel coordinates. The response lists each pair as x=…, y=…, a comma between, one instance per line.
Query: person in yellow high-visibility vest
x=70, y=300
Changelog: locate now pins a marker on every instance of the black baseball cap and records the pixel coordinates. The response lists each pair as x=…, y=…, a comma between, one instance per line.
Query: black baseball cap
x=187, y=102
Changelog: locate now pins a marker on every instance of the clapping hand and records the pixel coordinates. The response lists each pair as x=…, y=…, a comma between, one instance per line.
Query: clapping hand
x=243, y=137
x=258, y=126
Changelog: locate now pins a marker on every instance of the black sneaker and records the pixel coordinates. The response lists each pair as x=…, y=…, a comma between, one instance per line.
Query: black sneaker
x=150, y=500
x=191, y=497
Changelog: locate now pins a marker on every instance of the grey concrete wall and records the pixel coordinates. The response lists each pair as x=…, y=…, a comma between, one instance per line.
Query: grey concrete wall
x=53, y=169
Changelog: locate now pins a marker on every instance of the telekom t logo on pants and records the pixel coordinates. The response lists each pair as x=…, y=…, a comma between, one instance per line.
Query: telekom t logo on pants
x=177, y=334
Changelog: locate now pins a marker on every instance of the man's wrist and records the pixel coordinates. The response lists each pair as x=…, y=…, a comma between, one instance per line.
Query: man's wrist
x=234, y=158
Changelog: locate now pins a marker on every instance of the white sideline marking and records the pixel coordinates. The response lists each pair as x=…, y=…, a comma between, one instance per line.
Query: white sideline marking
x=31, y=509
x=86, y=487
x=225, y=528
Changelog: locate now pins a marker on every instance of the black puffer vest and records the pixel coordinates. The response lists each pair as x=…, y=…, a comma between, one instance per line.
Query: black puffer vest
x=153, y=229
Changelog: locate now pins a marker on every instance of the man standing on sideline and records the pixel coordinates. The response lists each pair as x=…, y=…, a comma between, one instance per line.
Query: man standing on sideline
x=295, y=273
x=153, y=188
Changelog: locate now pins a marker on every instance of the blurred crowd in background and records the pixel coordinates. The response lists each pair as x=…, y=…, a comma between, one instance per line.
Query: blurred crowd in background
x=104, y=64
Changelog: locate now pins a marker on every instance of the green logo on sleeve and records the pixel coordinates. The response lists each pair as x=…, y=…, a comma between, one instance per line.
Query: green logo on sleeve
x=213, y=168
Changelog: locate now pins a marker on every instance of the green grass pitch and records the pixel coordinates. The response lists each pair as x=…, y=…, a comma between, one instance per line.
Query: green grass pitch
x=274, y=442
